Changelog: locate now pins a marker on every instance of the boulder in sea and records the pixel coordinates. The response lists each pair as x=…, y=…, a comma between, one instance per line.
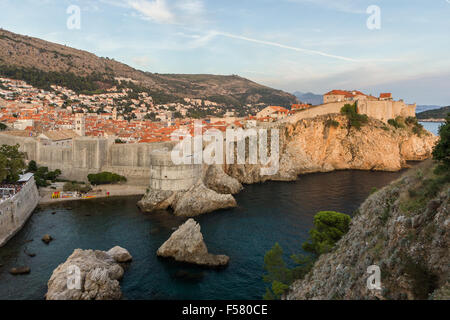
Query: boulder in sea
x=47, y=239
x=154, y=200
x=199, y=200
x=20, y=270
x=120, y=254
x=86, y=275
x=186, y=244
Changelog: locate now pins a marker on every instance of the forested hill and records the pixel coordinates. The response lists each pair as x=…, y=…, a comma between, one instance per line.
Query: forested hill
x=434, y=114
x=44, y=63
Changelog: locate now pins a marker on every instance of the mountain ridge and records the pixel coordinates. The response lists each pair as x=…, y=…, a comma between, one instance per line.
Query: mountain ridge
x=26, y=53
x=309, y=97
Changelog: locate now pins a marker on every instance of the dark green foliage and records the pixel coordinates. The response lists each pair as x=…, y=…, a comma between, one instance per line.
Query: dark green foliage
x=91, y=84
x=434, y=114
x=42, y=175
x=106, y=178
x=423, y=280
x=73, y=186
x=331, y=123
x=329, y=227
x=11, y=163
x=278, y=274
x=356, y=120
x=441, y=152
x=396, y=123
x=32, y=166
x=3, y=126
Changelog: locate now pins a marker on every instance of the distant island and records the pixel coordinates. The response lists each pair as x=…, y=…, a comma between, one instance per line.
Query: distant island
x=436, y=115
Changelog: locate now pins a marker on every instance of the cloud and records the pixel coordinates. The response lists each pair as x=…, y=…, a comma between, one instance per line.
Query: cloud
x=182, y=12
x=202, y=40
x=347, y=6
x=153, y=10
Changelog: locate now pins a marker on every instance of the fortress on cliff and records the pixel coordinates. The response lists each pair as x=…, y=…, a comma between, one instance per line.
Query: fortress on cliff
x=86, y=155
x=382, y=108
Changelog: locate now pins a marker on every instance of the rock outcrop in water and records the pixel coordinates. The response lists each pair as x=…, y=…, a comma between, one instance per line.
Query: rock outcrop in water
x=99, y=274
x=199, y=200
x=403, y=233
x=195, y=201
x=155, y=200
x=120, y=254
x=327, y=143
x=186, y=244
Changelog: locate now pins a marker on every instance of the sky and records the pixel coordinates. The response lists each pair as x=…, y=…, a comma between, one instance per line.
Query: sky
x=398, y=46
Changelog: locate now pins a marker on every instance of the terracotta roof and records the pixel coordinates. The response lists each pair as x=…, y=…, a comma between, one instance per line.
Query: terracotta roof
x=345, y=93
x=57, y=135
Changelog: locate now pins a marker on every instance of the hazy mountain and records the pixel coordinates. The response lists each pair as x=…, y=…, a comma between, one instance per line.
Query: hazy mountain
x=42, y=62
x=314, y=99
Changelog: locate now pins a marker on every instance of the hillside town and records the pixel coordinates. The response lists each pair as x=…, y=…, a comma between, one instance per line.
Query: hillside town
x=56, y=117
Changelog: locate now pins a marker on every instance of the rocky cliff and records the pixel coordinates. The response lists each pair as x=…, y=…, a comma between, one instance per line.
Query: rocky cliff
x=404, y=229
x=329, y=142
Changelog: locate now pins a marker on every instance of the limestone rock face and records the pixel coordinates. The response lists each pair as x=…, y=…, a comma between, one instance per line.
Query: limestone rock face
x=312, y=145
x=99, y=275
x=199, y=200
x=155, y=200
x=120, y=254
x=186, y=245
x=216, y=179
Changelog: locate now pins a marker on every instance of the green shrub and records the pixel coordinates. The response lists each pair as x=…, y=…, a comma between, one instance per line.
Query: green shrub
x=73, y=186
x=329, y=227
x=355, y=119
x=42, y=175
x=106, y=178
x=331, y=123
x=32, y=166
x=397, y=123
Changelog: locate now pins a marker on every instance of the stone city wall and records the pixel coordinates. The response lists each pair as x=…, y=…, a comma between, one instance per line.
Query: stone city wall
x=15, y=211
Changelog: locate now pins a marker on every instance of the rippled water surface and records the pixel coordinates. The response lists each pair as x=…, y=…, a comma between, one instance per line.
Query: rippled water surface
x=267, y=213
